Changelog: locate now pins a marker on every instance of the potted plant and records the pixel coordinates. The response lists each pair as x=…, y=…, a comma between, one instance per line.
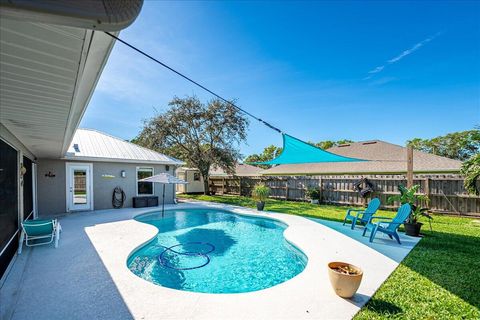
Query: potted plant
x=314, y=195
x=345, y=278
x=260, y=193
x=410, y=196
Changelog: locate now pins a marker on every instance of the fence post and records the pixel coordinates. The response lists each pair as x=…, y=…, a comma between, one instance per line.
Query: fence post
x=240, y=186
x=427, y=188
x=409, y=166
x=320, y=188
x=286, y=189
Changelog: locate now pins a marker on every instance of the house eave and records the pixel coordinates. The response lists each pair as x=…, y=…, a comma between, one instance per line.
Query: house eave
x=96, y=56
x=120, y=160
x=99, y=15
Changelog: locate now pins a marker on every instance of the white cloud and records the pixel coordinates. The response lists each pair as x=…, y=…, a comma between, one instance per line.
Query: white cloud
x=401, y=56
x=377, y=69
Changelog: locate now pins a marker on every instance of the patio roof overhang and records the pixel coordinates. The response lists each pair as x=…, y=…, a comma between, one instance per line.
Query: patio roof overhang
x=105, y=15
x=48, y=71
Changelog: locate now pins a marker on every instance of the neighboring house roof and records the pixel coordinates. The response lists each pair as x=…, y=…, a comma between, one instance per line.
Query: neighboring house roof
x=93, y=145
x=241, y=170
x=386, y=158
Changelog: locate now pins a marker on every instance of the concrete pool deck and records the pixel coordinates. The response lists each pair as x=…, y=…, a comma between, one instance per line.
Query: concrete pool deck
x=87, y=276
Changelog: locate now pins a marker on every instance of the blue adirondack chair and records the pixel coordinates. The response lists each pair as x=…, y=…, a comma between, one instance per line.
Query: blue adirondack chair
x=362, y=215
x=388, y=225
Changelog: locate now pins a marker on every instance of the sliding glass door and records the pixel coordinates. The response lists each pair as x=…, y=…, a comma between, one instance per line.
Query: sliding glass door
x=8, y=204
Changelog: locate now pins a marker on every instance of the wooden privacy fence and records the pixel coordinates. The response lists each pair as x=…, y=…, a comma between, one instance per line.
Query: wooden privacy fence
x=446, y=192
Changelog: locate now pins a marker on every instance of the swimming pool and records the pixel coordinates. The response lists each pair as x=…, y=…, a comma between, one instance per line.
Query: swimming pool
x=215, y=251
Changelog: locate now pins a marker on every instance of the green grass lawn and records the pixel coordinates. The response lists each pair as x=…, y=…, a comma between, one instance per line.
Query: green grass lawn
x=439, y=279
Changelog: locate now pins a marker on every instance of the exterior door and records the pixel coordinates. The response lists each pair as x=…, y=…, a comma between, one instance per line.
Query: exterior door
x=79, y=187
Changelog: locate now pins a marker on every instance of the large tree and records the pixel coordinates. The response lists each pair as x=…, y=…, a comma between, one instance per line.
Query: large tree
x=268, y=153
x=327, y=144
x=471, y=170
x=457, y=145
x=202, y=135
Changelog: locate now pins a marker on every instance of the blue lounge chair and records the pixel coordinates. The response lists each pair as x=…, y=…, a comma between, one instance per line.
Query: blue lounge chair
x=362, y=215
x=388, y=225
x=38, y=232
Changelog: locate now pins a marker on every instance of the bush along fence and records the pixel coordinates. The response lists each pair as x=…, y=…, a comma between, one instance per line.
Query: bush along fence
x=446, y=192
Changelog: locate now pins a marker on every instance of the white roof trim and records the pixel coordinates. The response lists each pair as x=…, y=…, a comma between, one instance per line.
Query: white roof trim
x=95, y=55
x=102, y=159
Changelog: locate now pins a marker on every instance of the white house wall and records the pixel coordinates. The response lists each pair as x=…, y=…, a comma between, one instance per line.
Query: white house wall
x=52, y=194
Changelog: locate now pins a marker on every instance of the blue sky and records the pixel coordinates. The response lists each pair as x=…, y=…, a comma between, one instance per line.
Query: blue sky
x=317, y=70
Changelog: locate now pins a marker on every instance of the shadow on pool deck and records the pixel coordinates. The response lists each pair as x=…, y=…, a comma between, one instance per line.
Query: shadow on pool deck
x=70, y=282
x=382, y=242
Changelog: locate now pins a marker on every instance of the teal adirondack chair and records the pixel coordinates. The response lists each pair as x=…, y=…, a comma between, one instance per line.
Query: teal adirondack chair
x=38, y=232
x=362, y=215
x=388, y=225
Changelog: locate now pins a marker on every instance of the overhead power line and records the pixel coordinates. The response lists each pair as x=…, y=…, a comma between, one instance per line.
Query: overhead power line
x=192, y=81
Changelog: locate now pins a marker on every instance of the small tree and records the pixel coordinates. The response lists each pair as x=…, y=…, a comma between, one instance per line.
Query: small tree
x=201, y=135
x=260, y=192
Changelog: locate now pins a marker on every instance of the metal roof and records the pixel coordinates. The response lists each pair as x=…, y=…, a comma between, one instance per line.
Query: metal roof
x=385, y=158
x=93, y=145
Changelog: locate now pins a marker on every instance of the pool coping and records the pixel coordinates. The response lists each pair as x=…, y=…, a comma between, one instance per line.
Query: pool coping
x=306, y=296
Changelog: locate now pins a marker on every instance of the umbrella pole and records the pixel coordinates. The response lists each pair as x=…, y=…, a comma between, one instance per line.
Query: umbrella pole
x=163, y=199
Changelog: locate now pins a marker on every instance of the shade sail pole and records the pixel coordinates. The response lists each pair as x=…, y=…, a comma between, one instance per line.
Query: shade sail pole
x=409, y=166
x=163, y=200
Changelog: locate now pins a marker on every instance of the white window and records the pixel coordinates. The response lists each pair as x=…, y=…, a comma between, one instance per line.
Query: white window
x=144, y=188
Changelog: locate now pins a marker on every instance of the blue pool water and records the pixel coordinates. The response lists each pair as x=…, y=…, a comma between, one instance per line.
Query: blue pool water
x=215, y=251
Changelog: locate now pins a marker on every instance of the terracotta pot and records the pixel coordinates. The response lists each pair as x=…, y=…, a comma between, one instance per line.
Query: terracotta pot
x=344, y=285
x=260, y=205
x=413, y=229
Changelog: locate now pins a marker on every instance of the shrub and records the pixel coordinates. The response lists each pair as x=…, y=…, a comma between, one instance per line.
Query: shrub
x=313, y=193
x=410, y=196
x=260, y=192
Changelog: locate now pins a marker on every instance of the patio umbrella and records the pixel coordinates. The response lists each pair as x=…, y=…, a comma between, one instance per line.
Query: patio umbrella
x=164, y=178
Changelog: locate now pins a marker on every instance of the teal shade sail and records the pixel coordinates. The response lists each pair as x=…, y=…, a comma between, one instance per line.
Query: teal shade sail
x=298, y=151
